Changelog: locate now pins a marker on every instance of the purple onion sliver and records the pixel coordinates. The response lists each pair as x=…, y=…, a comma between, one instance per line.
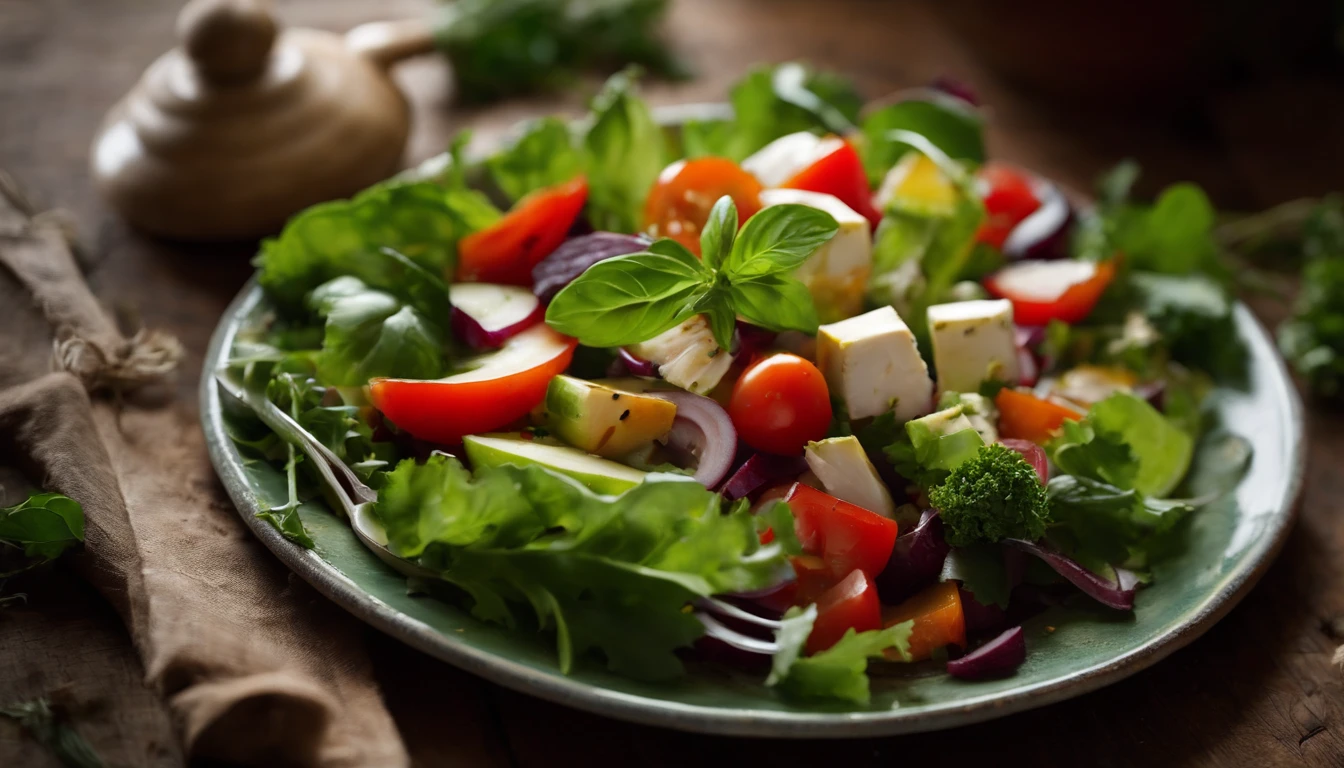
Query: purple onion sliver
x=999, y=656
x=576, y=255
x=958, y=88
x=752, y=339
x=1109, y=593
x=1029, y=336
x=980, y=617
x=760, y=471
x=916, y=560
x=1155, y=392
x=703, y=431
x=1045, y=233
x=637, y=366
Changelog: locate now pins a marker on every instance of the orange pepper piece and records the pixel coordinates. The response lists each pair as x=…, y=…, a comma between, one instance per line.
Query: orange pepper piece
x=1024, y=416
x=938, y=619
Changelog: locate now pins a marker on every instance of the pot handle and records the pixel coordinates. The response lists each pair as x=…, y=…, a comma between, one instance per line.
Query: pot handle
x=387, y=42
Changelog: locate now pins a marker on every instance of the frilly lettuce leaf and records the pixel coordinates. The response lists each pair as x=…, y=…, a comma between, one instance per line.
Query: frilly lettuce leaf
x=370, y=333
x=839, y=672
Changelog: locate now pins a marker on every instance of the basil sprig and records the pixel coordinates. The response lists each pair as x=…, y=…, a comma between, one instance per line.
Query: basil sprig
x=630, y=299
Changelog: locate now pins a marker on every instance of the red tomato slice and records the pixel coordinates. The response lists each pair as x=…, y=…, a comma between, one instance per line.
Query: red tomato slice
x=506, y=251
x=938, y=619
x=1042, y=291
x=779, y=404
x=503, y=388
x=1008, y=199
x=839, y=172
x=845, y=536
x=850, y=604
x=685, y=192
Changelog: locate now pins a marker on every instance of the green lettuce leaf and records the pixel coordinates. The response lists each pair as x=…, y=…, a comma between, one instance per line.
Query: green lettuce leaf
x=949, y=123
x=980, y=569
x=626, y=150
x=770, y=102
x=839, y=672
x=1099, y=524
x=545, y=155
x=605, y=574
x=370, y=333
x=421, y=220
x=1127, y=443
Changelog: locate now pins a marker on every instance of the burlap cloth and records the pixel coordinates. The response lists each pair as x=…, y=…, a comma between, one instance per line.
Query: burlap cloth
x=257, y=671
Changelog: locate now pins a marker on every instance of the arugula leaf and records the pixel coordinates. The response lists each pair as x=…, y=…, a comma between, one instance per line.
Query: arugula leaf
x=626, y=150
x=500, y=48
x=421, y=220
x=44, y=525
x=629, y=299
x=770, y=102
x=951, y=124
x=605, y=573
x=839, y=672
x=370, y=334
x=545, y=155
x=778, y=239
x=1100, y=524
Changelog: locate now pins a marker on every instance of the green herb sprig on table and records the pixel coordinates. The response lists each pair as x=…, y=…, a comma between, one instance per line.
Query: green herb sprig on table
x=43, y=526
x=630, y=299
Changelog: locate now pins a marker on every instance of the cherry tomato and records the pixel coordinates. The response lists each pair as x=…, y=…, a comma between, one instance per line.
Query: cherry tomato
x=844, y=536
x=938, y=620
x=850, y=604
x=1024, y=416
x=681, y=198
x=506, y=251
x=1042, y=291
x=780, y=404
x=1008, y=200
x=839, y=172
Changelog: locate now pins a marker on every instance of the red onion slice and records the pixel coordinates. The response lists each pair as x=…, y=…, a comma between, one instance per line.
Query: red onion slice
x=637, y=366
x=760, y=471
x=702, y=431
x=916, y=560
x=576, y=255
x=1045, y=233
x=979, y=616
x=1117, y=594
x=1001, y=655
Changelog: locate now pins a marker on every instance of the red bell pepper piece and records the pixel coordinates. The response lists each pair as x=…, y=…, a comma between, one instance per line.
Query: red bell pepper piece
x=1008, y=199
x=850, y=604
x=840, y=173
x=506, y=251
x=1042, y=291
x=845, y=536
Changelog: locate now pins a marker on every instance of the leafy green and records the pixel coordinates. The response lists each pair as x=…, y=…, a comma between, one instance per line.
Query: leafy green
x=1313, y=338
x=607, y=574
x=370, y=333
x=926, y=455
x=50, y=726
x=1126, y=442
x=981, y=571
x=1174, y=236
x=625, y=150
x=500, y=48
x=1193, y=315
x=839, y=672
x=770, y=102
x=44, y=525
x=421, y=220
x=632, y=298
x=1100, y=524
x=951, y=124
x=992, y=496
x=545, y=155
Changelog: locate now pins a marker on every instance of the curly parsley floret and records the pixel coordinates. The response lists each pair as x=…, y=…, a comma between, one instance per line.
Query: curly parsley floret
x=992, y=496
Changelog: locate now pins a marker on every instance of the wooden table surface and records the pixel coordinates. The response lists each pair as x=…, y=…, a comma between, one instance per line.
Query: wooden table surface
x=1258, y=689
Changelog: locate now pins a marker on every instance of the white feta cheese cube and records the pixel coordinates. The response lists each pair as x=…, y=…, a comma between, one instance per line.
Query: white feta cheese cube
x=973, y=341
x=872, y=363
x=836, y=274
x=787, y=156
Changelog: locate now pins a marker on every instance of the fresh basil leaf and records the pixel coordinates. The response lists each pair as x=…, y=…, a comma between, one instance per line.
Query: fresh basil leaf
x=420, y=220
x=628, y=299
x=722, y=319
x=44, y=525
x=545, y=155
x=775, y=302
x=370, y=333
x=949, y=123
x=716, y=239
x=777, y=240
x=626, y=151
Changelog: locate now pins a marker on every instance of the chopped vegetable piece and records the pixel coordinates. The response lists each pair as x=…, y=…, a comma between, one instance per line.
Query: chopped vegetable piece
x=938, y=621
x=1024, y=416
x=839, y=172
x=1008, y=200
x=999, y=656
x=780, y=404
x=506, y=251
x=850, y=604
x=846, y=537
x=1042, y=291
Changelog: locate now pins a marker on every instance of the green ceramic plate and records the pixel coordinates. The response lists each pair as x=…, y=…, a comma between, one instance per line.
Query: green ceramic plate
x=1230, y=544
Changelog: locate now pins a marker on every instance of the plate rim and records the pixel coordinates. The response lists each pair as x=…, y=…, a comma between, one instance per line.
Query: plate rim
x=340, y=589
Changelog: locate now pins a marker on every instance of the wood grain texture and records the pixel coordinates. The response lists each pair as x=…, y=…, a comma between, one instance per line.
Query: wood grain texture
x=1257, y=690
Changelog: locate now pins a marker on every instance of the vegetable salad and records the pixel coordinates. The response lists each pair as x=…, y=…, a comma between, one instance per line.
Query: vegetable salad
x=797, y=391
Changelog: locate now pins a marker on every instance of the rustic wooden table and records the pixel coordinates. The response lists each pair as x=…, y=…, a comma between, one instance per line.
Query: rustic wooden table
x=1258, y=689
